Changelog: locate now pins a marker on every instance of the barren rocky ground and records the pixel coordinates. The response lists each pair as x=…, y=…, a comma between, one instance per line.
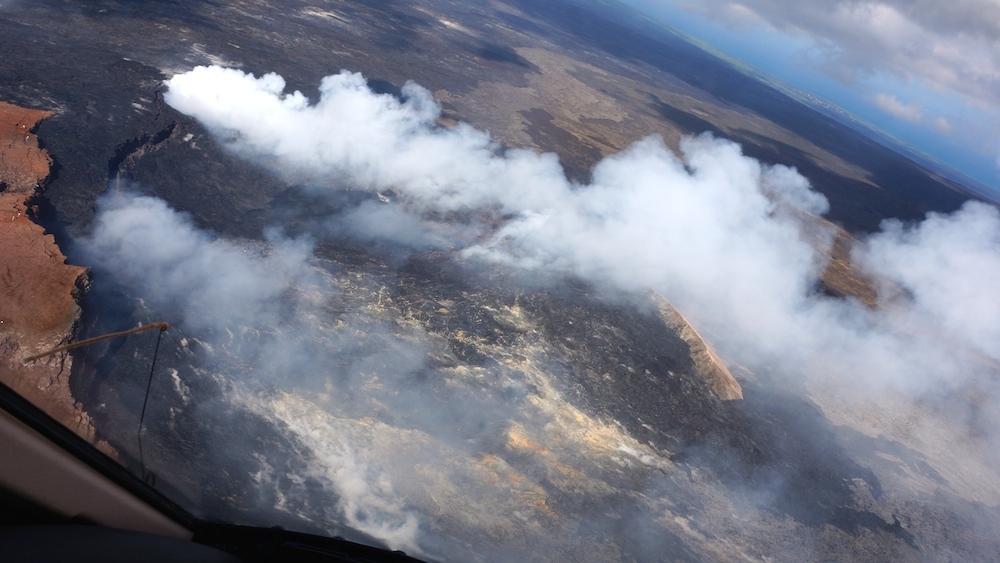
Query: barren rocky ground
x=38, y=290
x=625, y=434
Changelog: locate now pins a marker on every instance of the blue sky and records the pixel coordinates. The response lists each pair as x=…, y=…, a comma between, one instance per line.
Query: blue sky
x=924, y=71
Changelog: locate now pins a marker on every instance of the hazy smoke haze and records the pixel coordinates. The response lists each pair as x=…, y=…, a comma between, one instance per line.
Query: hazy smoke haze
x=714, y=231
x=719, y=234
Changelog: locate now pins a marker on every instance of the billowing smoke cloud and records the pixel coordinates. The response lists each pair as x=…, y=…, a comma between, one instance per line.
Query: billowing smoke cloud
x=269, y=292
x=210, y=282
x=716, y=232
x=725, y=238
x=355, y=139
x=950, y=264
x=346, y=386
x=702, y=226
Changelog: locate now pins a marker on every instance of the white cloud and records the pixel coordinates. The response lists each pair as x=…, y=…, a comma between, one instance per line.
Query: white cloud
x=943, y=125
x=912, y=112
x=740, y=17
x=949, y=46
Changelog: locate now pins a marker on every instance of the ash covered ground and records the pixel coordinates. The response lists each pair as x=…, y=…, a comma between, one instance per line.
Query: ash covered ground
x=429, y=339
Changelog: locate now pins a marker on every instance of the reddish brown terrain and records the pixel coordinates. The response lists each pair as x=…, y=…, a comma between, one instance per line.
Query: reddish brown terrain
x=38, y=289
x=706, y=361
x=844, y=278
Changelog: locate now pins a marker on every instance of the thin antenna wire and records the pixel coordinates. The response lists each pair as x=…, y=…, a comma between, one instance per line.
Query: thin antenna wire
x=161, y=326
x=149, y=478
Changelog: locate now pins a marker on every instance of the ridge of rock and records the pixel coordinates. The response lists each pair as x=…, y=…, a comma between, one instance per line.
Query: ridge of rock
x=843, y=277
x=706, y=361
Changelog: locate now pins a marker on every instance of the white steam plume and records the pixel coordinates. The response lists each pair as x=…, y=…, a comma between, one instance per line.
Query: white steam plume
x=268, y=295
x=211, y=282
x=951, y=265
x=714, y=231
